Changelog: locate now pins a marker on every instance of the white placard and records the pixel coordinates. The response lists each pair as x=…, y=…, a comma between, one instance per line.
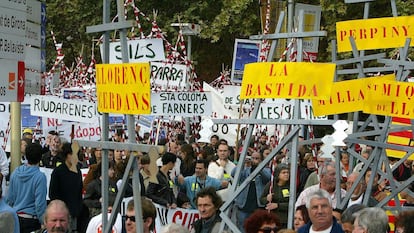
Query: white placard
x=32, y=82
x=13, y=22
x=14, y=4
x=143, y=50
x=185, y=104
x=64, y=109
x=34, y=11
x=33, y=34
x=12, y=47
x=169, y=75
x=81, y=131
x=283, y=109
x=33, y=58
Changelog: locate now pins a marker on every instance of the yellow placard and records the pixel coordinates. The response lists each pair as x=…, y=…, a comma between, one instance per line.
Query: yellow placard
x=346, y=96
x=391, y=98
x=379, y=33
x=293, y=80
x=123, y=88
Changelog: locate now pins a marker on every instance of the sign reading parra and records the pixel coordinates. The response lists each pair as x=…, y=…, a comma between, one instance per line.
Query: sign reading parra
x=123, y=88
x=185, y=104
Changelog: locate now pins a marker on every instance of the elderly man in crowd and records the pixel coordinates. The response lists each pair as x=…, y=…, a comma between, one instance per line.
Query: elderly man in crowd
x=371, y=220
x=56, y=218
x=319, y=205
x=327, y=183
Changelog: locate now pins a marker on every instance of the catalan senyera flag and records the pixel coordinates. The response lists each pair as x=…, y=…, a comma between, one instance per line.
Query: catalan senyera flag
x=403, y=138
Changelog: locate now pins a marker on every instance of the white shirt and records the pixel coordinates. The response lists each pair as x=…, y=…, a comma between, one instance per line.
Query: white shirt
x=306, y=192
x=95, y=224
x=324, y=231
x=219, y=172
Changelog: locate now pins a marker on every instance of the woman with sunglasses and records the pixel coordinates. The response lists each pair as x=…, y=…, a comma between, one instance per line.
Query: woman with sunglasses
x=261, y=221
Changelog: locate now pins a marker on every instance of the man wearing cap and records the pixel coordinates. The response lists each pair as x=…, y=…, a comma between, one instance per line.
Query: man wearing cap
x=28, y=133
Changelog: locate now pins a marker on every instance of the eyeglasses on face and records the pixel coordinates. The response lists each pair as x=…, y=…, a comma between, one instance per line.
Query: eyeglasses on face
x=131, y=218
x=268, y=229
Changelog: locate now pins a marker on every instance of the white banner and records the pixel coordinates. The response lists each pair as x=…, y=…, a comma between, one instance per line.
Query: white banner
x=81, y=131
x=142, y=50
x=184, y=217
x=64, y=109
x=169, y=75
x=185, y=104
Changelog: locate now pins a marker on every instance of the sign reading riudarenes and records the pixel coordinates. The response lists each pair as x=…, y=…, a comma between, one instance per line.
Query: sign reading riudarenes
x=64, y=109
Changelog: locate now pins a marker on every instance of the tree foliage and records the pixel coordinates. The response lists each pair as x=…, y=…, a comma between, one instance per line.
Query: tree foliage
x=221, y=21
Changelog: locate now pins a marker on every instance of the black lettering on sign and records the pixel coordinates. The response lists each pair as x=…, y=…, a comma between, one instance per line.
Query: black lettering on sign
x=3, y=108
x=2, y=91
x=166, y=72
x=136, y=51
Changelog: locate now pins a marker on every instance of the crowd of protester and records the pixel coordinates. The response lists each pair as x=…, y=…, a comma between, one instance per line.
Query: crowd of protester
x=196, y=175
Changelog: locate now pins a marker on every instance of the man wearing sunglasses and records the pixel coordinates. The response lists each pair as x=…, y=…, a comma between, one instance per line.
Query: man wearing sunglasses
x=148, y=212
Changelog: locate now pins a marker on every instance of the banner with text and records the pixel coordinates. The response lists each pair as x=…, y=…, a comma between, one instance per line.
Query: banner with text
x=185, y=104
x=81, y=131
x=391, y=98
x=123, y=88
x=347, y=96
x=65, y=109
x=142, y=50
x=292, y=80
x=379, y=33
x=168, y=75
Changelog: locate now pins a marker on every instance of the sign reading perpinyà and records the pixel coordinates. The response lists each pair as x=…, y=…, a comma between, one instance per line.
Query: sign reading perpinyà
x=123, y=88
x=379, y=33
x=63, y=109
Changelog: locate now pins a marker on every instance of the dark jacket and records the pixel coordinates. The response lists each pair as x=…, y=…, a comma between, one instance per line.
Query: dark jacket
x=50, y=161
x=281, y=197
x=94, y=193
x=336, y=228
x=161, y=193
x=199, y=227
x=66, y=185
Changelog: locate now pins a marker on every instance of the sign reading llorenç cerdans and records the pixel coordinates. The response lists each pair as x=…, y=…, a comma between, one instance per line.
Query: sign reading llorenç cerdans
x=377, y=33
x=123, y=88
x=292, y=80
x=347, y=96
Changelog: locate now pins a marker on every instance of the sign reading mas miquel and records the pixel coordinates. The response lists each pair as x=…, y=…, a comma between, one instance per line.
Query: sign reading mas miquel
x=123, y=88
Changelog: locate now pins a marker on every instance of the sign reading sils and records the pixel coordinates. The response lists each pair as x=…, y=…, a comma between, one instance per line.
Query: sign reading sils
x=143, y=50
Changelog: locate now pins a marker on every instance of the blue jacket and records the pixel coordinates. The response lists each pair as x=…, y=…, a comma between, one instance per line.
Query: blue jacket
x=27, y=191
x=336, y=227
x=4, y=208
x=260, y=181
x=192, y=185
